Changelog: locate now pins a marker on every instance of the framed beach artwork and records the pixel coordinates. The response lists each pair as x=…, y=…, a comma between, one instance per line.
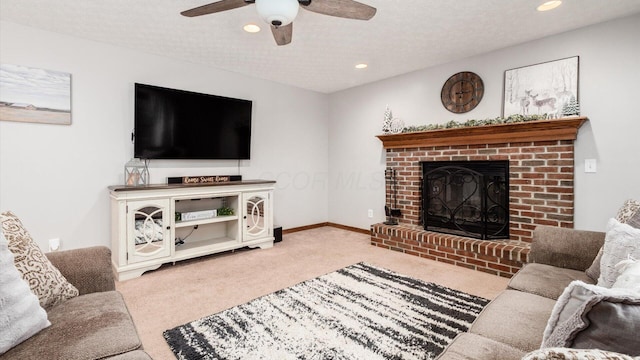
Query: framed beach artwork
x=34, y=95
x=539, y=89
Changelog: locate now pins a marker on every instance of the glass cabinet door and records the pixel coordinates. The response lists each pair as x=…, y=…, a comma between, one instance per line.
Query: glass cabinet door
x=149, y=230
x=257, y=207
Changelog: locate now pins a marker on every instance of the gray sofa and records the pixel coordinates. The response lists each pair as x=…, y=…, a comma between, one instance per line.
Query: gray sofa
x=94, y=325
x=513, y=323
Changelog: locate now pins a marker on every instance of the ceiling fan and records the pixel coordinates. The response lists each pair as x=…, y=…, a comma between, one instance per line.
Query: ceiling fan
x=279, y=14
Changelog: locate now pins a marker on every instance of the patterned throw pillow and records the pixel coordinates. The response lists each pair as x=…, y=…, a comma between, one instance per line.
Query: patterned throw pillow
x=628, y=209
x=43, y=278
x=575, y=354
x=634, y=220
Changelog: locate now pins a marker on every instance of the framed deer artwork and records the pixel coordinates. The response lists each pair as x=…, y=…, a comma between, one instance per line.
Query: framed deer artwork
x=546, y=88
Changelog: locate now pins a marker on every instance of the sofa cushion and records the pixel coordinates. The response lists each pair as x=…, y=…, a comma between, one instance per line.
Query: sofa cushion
x=88, y=269
x=622, y=241
x=44, y=279
x=92, y=326
x=594, y=317
x=575, y=354
x=21, y=315
x=565, y=248
x=515, y=318
x=545, y=280
x=468, y=346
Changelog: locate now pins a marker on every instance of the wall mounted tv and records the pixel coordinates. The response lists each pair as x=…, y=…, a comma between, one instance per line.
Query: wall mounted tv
x=177, y=124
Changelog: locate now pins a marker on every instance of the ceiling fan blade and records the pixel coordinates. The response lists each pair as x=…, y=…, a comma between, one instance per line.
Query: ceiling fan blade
x=218, y=6
x=282, y=34
x=349, y=9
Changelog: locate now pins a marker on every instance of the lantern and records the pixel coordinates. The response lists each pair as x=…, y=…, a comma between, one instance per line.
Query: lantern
x=136, y=173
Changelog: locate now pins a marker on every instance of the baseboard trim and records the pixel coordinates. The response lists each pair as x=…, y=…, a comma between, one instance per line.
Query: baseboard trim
x=303, y=228
x=350, y=228
x=319, y=225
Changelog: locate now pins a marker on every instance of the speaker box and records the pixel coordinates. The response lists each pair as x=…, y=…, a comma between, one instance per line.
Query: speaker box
x=277, y=233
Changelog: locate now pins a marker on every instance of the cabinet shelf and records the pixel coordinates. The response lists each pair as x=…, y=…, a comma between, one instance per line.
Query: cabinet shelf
x=195, y=248
x=217, y=219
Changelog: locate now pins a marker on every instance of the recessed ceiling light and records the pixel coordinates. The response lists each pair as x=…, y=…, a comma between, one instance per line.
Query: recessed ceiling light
x=361, y=66
x=251, y=28
x=549, y=5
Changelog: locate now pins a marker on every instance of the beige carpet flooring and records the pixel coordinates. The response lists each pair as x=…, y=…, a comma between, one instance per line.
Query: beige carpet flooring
x=180, y=293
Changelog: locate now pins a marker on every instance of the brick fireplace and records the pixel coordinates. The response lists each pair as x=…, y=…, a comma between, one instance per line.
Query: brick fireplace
x=541, y=170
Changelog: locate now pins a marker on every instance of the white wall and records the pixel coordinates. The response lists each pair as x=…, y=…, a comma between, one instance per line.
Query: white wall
x=55, y=177
x=608, y=95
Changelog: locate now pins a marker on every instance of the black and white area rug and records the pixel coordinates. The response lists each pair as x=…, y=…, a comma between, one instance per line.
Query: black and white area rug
x=359, y=312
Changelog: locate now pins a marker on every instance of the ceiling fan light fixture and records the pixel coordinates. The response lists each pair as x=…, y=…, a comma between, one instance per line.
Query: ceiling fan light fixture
x=277, y=12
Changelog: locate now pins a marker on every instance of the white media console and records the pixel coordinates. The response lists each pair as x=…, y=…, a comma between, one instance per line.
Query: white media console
x=147, y=229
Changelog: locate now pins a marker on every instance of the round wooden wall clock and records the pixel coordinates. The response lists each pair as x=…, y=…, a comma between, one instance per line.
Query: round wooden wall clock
x=462, y=92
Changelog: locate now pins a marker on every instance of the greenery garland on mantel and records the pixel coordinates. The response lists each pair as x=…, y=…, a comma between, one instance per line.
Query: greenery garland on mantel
x=511, y=119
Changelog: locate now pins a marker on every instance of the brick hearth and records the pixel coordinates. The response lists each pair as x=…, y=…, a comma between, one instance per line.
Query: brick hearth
x=501, y=257
x=541, y=189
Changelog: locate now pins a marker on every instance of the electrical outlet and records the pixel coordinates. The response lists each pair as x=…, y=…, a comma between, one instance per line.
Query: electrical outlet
x=54, y=244
x=590, y=165
x=370, y=213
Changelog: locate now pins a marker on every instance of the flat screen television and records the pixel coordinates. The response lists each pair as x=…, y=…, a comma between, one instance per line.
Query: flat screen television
x=177, y=124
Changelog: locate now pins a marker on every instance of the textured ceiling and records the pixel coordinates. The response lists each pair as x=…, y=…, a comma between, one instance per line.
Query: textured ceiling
x=405, y=35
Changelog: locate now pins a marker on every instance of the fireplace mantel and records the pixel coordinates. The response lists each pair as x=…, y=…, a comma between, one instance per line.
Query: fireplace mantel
x=539, y=130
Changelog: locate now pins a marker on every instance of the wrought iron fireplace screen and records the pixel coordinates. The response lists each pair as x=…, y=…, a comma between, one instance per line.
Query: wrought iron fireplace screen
x=467, y=198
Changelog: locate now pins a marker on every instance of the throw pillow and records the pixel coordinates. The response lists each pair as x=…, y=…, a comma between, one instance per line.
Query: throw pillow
x=634, y=220
x=45, y=280
x=620, y=242
x=629, y=277
x=628, y=209
x=593, y=317
x=575, y=354
x=629, y=214
x=20, y=313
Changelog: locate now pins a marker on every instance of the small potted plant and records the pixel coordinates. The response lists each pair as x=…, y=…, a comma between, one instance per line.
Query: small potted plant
x=225, y=211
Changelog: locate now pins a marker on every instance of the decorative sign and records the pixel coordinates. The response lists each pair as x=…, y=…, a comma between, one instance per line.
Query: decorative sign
x=207, y=179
